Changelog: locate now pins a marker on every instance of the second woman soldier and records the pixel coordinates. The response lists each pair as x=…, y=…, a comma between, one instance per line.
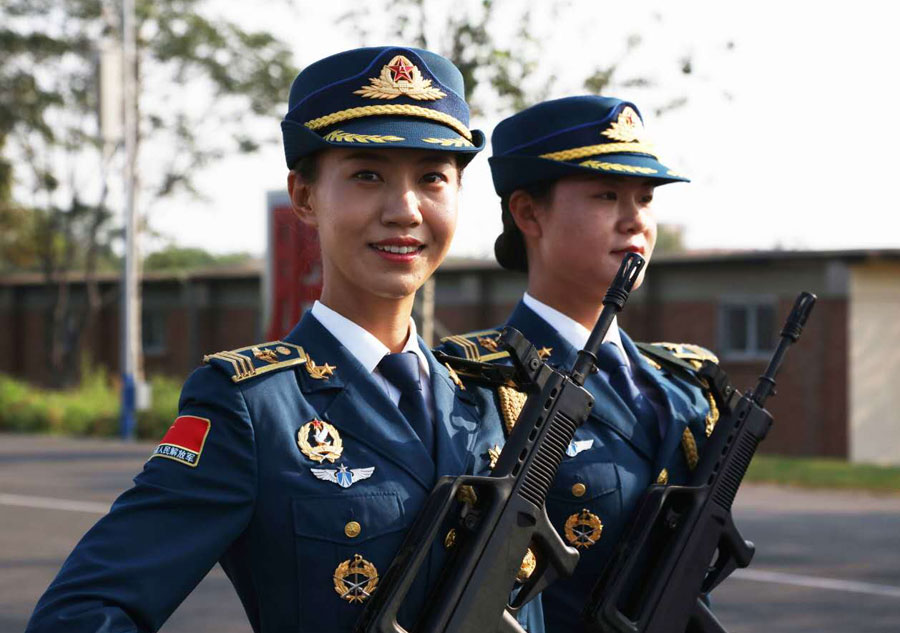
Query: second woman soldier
x=576, y=178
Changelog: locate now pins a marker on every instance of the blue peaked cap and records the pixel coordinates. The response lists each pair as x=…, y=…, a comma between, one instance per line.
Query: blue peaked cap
x=574, y=135
x=385, y=96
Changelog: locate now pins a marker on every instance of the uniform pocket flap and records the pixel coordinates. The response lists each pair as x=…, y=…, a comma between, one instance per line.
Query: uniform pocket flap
x=584, y=480
x=348, y=518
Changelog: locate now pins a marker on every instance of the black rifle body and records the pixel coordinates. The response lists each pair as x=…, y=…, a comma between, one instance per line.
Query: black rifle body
x=508, y=518
x=683, y=541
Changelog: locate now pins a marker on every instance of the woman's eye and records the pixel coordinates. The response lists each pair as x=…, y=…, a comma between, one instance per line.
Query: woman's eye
x=434, y=177
x=647, y=199
x=367, y=176
x=605, y=195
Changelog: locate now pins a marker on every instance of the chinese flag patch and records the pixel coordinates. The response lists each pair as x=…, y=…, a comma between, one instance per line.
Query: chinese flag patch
x=184, y=440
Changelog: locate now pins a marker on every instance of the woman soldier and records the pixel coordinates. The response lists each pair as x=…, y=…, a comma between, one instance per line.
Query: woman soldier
x=576, y=179
x=300, y=464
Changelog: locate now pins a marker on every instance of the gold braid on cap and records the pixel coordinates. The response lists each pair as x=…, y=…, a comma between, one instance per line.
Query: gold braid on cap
x=603, y=148
x=389, y=110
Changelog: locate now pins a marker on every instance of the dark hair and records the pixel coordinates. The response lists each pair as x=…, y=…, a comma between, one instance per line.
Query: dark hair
x=307, y=167
x=509, y=248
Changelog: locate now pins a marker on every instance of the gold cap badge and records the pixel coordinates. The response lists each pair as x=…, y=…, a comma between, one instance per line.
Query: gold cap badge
x=627, y=127
x=326, y=441
x=583, y=529
x=355, y=579
x=400, y=77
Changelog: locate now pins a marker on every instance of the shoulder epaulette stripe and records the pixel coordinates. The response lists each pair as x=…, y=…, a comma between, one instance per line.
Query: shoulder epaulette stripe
x=243, y=366
x=471, y=348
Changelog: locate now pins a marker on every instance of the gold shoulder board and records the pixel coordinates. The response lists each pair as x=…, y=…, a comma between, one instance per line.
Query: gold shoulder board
x=249, y=362
x=482, y=346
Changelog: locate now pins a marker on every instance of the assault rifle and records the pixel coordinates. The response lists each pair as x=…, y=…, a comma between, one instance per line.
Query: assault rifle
x=508, y=516
x=683, y=541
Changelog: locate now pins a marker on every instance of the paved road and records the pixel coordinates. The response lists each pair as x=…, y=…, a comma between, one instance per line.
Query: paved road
x=827, y=562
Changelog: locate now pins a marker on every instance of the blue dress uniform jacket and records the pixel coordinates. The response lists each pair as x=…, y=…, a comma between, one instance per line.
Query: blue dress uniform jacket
x=287, y=538
x=611, y=462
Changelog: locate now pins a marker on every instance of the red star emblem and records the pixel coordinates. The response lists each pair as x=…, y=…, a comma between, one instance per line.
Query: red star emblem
x=401, y=70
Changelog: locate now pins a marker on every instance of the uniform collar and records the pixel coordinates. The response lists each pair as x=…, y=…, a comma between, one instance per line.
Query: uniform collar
x=570, y=330
x=362, y=344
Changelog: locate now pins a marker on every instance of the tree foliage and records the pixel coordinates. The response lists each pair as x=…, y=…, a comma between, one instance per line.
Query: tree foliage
x=201, y=82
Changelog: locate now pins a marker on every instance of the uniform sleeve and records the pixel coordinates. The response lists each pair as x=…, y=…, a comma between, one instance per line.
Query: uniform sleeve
x=193, y=498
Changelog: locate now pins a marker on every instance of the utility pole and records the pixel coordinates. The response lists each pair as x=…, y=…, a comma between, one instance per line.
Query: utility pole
x=130, y=302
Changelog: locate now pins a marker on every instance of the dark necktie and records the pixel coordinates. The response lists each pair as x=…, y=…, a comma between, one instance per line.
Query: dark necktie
x=402, y=370
x=611, y=361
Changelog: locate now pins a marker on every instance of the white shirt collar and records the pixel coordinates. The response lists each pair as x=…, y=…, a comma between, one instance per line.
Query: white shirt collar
x=361, y=343
x=573, y=332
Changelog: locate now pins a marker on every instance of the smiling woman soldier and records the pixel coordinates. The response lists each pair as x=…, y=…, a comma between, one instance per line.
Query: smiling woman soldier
x=300, y=464
x=576, y=179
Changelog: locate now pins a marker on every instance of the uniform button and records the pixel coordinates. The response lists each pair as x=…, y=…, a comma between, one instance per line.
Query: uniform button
x=352, y=529
x=579, y=489
x=450, y=539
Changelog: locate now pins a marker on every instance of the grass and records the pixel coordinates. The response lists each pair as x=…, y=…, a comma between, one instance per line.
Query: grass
x=823, y=473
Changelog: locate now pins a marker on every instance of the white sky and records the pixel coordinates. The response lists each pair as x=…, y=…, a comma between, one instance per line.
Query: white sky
x=799, y=156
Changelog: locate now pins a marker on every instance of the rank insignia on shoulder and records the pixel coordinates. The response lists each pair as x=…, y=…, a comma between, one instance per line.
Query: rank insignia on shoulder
x=577, y=446
x=248, y=362
x=694, y=354
x=343, y=476
x=480, y=346
x=355, y=579
x=184, y=440
x=583, y=529
x=319, y=441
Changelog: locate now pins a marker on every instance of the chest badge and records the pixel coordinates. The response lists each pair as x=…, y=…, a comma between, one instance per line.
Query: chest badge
x=355, y=579
x=583, y=529
x=343, y=476
x=577, y=446
x=319, y=441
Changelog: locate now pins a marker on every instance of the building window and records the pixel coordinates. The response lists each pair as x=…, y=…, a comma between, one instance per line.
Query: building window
x=153, y=332
x=747, y=328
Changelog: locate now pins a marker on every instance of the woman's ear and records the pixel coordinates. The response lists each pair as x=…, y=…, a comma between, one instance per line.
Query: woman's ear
x=524, y=211
x=301, y=199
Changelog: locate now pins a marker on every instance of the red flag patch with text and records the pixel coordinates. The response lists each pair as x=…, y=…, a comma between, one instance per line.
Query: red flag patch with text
x=184, y=440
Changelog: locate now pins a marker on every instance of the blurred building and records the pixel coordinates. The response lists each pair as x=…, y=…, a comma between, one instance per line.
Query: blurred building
x=835, y=393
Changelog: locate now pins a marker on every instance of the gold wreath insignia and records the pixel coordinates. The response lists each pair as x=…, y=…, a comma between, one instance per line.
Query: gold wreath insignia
x=355, y=579
x=448, y=142
x=328, y=442
x=340, y=136
x=400, y=77
x=529, y=563
x=583, y=529
x=626, y=128
x=318, y=372
x=266, y=355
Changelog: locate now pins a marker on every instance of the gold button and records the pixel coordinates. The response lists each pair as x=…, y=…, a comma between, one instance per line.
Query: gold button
x=450, y=539
x=579, y=489
x=352, y=529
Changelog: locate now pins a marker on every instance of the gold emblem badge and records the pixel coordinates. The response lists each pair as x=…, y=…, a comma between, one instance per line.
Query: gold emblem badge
x=627, y=127
x=583, y=529
x=326, y=441
x=512, y=401
x=529, y=563
x=319, y=372
x=284, y=351
x=355, y=579
x=544, y=352
x=488, y=342
x=400, y=77
x=266, y=355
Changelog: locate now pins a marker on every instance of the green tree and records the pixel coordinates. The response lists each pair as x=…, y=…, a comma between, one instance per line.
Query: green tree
x=187, y=258
x=201, y=82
